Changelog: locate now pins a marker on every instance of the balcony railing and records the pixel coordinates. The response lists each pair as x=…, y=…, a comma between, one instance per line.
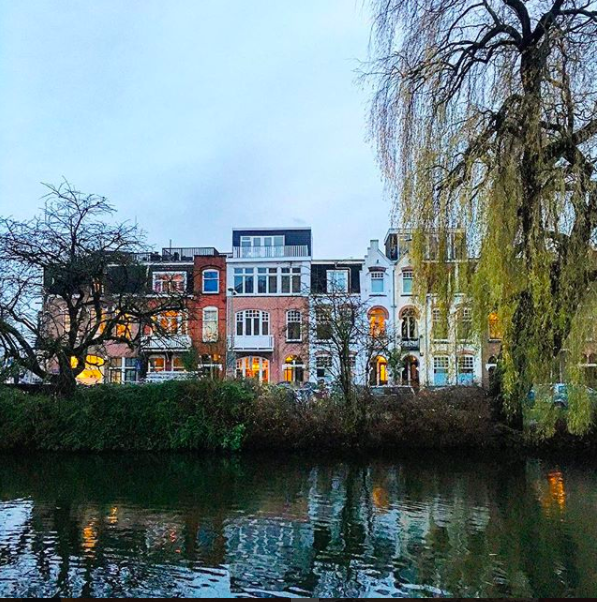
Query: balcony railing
x=160, y=377
x=411, y=344
x=167, y=343
x=253, y=343
x=176, y=254
x=270, y=252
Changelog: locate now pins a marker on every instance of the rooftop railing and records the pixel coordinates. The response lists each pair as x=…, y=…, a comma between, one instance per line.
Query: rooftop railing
x=270, y=252
x=176, y=254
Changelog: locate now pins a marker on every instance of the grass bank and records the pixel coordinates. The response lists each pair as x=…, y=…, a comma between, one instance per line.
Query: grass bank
x=206, y=415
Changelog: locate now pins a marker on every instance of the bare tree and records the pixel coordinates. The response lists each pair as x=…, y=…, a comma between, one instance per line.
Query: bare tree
x=70, y=284
x=485, y=118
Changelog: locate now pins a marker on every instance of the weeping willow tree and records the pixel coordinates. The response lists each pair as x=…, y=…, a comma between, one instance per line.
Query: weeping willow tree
x=484, y=116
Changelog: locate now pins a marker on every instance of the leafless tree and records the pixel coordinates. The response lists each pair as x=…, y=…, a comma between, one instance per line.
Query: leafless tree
x=70, y=284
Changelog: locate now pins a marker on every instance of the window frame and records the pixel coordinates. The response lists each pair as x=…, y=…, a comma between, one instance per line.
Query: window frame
x=172, y=273
x=408, y=275
x=378, y=277
x=330, y=286
x=204, y=279
x=206, y=337
x=294, y=313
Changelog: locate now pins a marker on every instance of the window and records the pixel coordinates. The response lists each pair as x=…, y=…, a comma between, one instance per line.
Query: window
x=377, y=322
x=337, y=281
x=210, y=324
x=262, y=246
x=211, y=282
x=466, y=370
x=495, y=331
x=378, y=376
x=293, y=325
x=323, y=321
x=291, y=280
x=253, y=367
x=169, y=282
x=172, y=323
x=178, y=364
x=252, y=322
x=465, y=324
x=440, y=371
x=124, y=328
x=294, y=370
x=439, y=325
x=407, y=282
x=210, y=366
x=123, y=370
x=157, y=363
x=408, y=328
x=377, y=283
x=267, y=281
x=244, y=281
x=323, y=365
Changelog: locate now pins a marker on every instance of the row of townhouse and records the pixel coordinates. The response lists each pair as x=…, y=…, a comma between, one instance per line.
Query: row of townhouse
x=250, y=314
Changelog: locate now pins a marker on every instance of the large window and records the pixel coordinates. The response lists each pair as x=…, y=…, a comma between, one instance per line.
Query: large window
x=294, y=370
x=378, y=376
x=211, y=281
x=337, y=281
x=377, y=322
x=123, y=370
x=210, y=324
x=440, y=325
x=210, y=366
x=169, y=282
x=156, y=363
x=323, y=322
x=172, y=323
x=252, y=322
x=291, y=280
x=262, y=246
x=124, y=328
x=267, y=281
x=407, y=282
x=465, y=324
x=466, y=370
x=377, y=283
x=253, y=367
x=178, y=364
x=408, y=327
x=323, y=365
x=294, y=321
x=244, y=281
x=440, y=371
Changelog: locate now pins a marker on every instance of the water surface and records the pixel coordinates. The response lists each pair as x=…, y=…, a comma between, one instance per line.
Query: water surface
x=172, y=525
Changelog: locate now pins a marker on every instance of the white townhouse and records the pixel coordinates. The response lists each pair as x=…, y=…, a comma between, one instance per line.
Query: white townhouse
x=438, y=346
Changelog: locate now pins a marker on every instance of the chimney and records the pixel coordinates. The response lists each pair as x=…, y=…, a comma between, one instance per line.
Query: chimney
x=374, y=245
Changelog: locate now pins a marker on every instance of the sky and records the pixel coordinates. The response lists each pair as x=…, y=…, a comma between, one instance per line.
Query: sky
x=194, y=116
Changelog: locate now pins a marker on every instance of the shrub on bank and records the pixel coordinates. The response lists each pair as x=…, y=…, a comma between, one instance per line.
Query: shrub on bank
x=228, y=415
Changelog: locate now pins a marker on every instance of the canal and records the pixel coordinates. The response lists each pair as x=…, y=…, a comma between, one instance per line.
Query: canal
x=176, y=525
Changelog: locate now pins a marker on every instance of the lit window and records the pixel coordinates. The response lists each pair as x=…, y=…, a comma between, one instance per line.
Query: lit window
x=407, y=282
x=124, y=328
x=377, y=282
x=252, y=322
x=495, y=331
x=337, y=281
x=378, y=376
x=211, y=281
x=253, y=367
x=210, y=324
x=157, y=363
x=172, y=322
x=294, y=370
x=178, y=364
x=377, y=322
x=123, y=370
x=169, y=282
x=440, y=371
x=293, y=325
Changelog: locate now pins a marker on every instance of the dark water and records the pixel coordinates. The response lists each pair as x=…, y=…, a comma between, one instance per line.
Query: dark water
x=191, y=526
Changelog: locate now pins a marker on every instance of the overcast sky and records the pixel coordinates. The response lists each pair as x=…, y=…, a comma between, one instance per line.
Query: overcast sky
x=194, y=116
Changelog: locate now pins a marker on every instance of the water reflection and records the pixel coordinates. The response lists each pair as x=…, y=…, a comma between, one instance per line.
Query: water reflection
x=176, y=525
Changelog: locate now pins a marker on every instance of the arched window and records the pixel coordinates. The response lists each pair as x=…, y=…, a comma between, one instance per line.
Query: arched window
x=378, y=375
x=377, y=321
x=210, y=324
x=294, y=370
x=252, y=322
x=408, y=326
x=211, y=281
x=253, y=367
x=294, y=321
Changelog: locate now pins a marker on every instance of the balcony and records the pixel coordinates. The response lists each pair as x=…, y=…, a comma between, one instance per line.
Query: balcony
x=176, y=255
x=410, y=344
x=175, y=342
x=293, y=251
x=253, y=343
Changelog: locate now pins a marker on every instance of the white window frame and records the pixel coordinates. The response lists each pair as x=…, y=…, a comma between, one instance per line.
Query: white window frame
x=294, y=316
x=409, y=318
x=209, y=329
x=331, y=284
x=182, y=368
x=323, y=362
x=152, y=357
x=407, y=275
x=469, y=360
x=378, y=277
x=217, y=280
x=155, y=279
x=244, y=274
x=436, y=316
x=263, y=321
